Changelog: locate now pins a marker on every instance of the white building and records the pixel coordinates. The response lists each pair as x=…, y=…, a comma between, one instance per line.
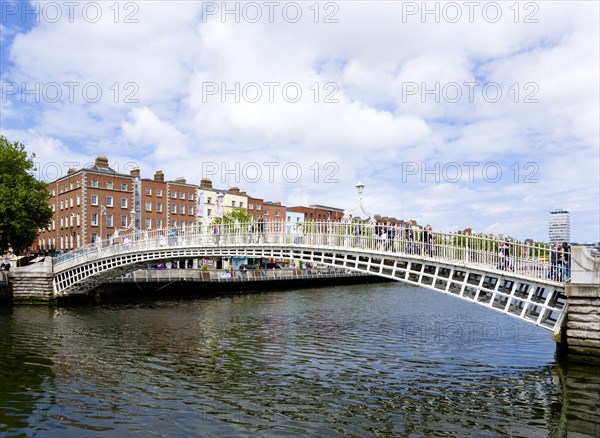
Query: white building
x=559, y=226
x=208, y=196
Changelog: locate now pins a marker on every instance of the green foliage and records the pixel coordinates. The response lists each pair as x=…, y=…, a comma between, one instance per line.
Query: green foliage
x=237, y=214
x=24, y=207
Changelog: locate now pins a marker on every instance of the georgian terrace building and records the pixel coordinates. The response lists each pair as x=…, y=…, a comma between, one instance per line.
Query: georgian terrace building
x=92, y=203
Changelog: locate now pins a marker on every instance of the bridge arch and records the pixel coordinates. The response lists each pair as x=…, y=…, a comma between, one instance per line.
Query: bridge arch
x=541, y=302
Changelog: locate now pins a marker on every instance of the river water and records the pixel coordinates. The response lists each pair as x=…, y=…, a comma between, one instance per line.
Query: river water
x=366, y=360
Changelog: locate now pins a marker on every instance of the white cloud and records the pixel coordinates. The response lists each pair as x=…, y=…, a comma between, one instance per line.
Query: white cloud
x=165, y=61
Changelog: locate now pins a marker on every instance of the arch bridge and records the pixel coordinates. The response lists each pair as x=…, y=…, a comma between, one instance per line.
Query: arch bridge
x=517, y=279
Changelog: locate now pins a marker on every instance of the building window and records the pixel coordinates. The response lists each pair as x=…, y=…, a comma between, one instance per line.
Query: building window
x=159, y=207
x=174, y=194
x=181, y=195
x=233, y=204
x=123, y=186
x=78, y=183
x=94, y=238
x=123, y=202
x=123, y=221
x=94, y=200
x=173, y=224
x=78, y=220
x=71, y=202
x=277, y=213
x=181, y=224
x=159, y=193
x=148, y=206
x=94, y=183
x=159, y=223
x=94, y=219
x=182, y=209
x=109, y=185
x=208, y=212
x=208, y=200
x=78, y=200
x=173, y=208
x=266, y=212
x=109, y=220
x=258, y=207
x=241, y=204
x=62, y=222
x=148, y=223
x=71, y=186
x=190, y=196
x=62, y=204
x=148, y=191
x=250, y=206
x=53, y=225
x=191, y=210
x=109, y=201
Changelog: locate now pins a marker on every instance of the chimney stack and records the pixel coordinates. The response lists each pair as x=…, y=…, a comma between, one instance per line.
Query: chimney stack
x=135, y=172
x=180, y=180
x=102, y=161
x=159, y=176
x=206, y=183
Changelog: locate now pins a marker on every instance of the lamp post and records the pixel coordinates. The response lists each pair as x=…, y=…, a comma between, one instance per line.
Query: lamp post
x=132, y=213
x=102, y=213
x=220, y=208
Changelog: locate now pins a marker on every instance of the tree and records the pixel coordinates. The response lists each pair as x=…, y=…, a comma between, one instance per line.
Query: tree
x=237, y=214
x=24, y=207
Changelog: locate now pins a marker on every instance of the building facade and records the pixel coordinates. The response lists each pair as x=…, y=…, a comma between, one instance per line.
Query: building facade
x=559, y=226
x=319, y=213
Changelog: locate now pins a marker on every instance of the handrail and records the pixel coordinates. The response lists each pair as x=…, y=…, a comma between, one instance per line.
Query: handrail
x=534, y=261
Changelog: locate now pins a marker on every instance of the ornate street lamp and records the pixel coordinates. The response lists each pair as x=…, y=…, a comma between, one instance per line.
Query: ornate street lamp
x=360, y=187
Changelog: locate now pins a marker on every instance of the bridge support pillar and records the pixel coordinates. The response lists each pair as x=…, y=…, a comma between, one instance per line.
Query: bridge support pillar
x=581, y=328
x=32, y=285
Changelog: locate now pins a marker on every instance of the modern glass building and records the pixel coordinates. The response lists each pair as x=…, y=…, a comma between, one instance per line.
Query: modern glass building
x=559, y=226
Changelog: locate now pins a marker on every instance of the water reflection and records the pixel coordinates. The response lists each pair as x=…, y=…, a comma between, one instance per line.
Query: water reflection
x=376, y=360
x=26, y=367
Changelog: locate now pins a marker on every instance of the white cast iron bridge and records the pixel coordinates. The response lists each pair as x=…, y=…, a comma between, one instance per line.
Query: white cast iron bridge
x=520, y=282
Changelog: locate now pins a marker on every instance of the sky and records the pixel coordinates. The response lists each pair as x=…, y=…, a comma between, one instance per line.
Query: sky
x=456, y=114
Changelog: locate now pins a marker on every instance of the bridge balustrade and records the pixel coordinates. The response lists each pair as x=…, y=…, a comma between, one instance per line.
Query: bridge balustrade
x=534, y=261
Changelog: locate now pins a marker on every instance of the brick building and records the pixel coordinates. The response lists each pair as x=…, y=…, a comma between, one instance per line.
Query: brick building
x=319, y=213
x=95, y=202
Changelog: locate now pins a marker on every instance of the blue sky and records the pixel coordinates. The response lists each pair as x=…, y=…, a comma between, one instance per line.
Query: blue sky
x=485, y=118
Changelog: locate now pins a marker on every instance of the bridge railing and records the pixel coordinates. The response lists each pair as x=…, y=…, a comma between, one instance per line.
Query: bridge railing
x=531, y=260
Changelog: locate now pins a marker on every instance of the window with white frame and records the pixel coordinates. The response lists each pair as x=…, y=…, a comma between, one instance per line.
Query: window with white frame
x=109, y=201
x=124, y=186
x=71, y=202
x=94, y=200
x=173, y=208
x=181, y=195
x=182, y=209
x=148, y=206
x=148, y=223
x=159, y=207
x=250, y=206
x=109, y=185
x=94, y=219
x=123, y=221
x=191, y=210
x=123, y=202
x=174, y=194
x=277, y=213
x=78, y=200
x=258, y=207
x=94, y=183
x=159, y=223
x=109, y=220
x=173, y=224
x=266, y=212
x=159, y=193
x=62, y=204
x=148, y=191
x=190, y=196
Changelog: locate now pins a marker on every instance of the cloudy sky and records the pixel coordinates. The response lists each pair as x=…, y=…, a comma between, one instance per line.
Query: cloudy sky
x=456, y=114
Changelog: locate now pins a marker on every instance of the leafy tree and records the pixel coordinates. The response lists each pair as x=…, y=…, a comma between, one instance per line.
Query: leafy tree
x=237, y=214
x=24, y=207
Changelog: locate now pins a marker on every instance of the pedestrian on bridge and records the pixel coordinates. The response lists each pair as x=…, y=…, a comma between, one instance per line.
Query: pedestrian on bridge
x=428, y=240
x=391, y=237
